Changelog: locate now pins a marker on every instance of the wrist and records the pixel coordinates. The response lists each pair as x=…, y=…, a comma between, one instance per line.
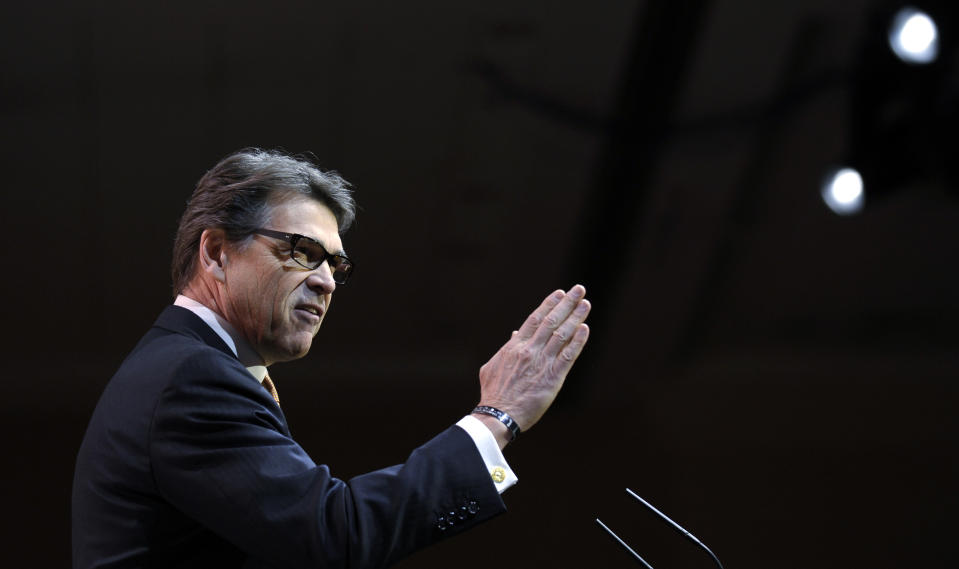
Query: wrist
x=498, y=429
x=501, y=416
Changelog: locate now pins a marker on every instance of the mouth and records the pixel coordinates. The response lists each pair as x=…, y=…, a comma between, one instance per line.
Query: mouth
x=309, y=312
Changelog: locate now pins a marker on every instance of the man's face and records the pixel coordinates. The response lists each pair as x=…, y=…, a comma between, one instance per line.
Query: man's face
x=275, y=303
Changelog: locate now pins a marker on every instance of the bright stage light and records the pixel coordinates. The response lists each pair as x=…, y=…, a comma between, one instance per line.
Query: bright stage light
x=843, y=191
x=914, y=37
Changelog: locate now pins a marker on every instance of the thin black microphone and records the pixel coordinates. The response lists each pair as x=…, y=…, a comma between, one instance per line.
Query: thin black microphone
x=667, y=519
x=623, y=543
x=677, y=526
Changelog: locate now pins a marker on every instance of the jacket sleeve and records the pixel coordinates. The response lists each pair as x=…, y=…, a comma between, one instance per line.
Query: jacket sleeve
x=220, y=453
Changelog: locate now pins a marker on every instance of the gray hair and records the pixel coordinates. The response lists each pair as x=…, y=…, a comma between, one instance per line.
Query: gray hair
x=236, y=195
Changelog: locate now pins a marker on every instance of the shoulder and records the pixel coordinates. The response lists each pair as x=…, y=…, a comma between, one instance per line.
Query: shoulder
x=175, y=366
x=170, y=355
x=198, y=382
x=178, y=343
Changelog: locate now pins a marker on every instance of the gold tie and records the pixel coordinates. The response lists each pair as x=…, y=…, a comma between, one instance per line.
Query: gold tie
x=268, y=384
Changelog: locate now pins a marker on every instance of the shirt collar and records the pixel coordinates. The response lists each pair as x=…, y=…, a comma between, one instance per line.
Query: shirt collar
x=230, y=335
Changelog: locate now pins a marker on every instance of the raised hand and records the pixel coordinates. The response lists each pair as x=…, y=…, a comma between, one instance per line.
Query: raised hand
x=525, y=375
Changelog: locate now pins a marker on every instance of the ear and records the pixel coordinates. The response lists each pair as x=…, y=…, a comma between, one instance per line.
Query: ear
x=212, y=255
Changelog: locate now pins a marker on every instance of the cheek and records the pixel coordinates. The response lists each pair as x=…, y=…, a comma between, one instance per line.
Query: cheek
x=266, y=299
x=281, y=292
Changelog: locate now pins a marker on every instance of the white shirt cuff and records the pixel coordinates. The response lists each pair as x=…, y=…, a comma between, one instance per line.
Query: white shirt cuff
x=500, y=472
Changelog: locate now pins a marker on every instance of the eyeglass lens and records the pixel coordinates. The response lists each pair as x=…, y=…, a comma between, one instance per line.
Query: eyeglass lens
x=311, y=255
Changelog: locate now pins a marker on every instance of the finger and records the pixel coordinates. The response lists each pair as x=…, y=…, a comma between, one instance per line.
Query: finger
x=562, y=335
x=558, y=315
x=572, y=350
x=534, y=320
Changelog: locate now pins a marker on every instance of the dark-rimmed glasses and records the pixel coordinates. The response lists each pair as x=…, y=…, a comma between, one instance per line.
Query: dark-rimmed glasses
x=310, y=254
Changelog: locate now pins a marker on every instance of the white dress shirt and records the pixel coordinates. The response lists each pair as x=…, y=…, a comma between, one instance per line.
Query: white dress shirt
x=502, y=475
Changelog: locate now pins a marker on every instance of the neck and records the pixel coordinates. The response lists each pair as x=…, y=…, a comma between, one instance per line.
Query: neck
x=247, y=354
x=204, y=294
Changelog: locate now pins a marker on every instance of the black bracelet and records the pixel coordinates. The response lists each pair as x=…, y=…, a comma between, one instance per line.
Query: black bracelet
x=503, y=418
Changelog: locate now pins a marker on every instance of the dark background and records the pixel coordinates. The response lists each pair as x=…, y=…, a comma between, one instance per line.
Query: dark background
x=779, y=379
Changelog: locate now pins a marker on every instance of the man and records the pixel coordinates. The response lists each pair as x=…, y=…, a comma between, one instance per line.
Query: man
x=188, y=461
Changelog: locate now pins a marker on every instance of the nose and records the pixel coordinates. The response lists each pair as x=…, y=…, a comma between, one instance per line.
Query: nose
x=321, y=280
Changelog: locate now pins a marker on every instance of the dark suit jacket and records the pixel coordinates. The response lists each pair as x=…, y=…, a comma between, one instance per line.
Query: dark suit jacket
x=188, y=462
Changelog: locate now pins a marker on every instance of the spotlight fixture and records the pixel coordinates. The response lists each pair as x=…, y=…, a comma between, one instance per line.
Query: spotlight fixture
x=842, y=190
x=914, y=37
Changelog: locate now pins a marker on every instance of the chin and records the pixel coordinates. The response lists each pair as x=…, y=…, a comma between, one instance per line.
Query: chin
x=287, y=353
x=297, y=351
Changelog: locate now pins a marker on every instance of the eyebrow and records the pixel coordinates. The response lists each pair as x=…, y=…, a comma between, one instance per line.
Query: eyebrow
x=341, y=252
